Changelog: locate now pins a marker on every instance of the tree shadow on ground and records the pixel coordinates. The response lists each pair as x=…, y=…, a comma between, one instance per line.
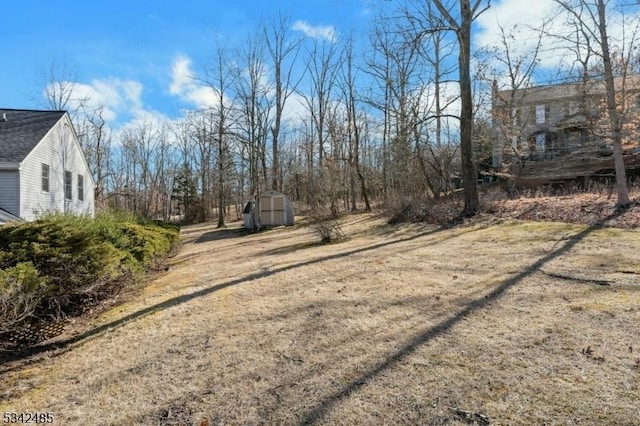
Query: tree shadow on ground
x=318, y=413
x=384, y=231
x=292, y=248
x=66, y=344
x=221, y=234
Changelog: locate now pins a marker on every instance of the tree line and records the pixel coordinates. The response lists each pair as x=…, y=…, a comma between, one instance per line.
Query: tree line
x=338, y=122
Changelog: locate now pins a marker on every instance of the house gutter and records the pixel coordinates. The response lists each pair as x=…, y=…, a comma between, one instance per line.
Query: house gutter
x=9, y=166
x=6, y=216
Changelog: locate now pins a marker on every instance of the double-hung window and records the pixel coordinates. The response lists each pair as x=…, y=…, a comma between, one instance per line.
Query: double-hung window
x=80, y=188
x=45, y=177
x=68, y=176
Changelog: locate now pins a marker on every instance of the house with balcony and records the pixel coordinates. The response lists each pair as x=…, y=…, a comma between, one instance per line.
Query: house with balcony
x=560, y=132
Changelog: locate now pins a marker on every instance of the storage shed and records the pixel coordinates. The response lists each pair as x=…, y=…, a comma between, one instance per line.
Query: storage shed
x=275, y=209
x=248, y=215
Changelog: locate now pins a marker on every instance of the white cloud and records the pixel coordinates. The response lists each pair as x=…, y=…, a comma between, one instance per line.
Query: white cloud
x=523, y=19
x=295, y=110
x=326, y=32
x=184, y=85
x=513, y=13
x=120, y=101
x=114, y=96
x=509, y=13
x=181, y=75
x=119, y=94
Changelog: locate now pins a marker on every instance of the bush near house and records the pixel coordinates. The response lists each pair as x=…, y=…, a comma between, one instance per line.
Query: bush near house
x=60, y=264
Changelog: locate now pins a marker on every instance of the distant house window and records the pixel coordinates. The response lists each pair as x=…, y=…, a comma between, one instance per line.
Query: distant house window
x=67, y=184
x=45, y=177
x=80, y=187
x=516, y=117
x=541, y=114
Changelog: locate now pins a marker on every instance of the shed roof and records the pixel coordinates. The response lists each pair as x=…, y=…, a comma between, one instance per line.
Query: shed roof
x=272, y=193
x=22, y=131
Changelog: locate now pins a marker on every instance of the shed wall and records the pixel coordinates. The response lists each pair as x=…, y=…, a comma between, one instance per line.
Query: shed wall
x=276, y=210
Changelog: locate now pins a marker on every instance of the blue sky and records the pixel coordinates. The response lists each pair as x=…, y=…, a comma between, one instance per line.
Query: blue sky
x=129, y=53
x=133, y=45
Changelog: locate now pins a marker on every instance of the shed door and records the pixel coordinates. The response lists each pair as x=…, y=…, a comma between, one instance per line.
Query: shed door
x=278, y=203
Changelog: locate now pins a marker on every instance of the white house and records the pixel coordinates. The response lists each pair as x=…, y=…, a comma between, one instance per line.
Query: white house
x=42, y=167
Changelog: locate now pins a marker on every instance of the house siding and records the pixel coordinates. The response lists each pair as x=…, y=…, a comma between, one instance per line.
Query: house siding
x=61, y=151
x=541, y=130
x=9, y=194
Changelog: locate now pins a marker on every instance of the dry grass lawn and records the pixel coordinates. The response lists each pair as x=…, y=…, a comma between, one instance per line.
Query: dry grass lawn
x=504, y=322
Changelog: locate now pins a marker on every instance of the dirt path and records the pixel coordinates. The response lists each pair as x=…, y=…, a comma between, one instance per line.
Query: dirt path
x=396, y=325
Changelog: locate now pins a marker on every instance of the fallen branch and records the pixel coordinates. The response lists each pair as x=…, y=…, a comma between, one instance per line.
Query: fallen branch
x=605, y=283
x=291, y=358
x=471, y=417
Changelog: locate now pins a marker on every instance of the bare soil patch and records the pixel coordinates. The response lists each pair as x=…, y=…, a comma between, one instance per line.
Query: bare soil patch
x=499, y=320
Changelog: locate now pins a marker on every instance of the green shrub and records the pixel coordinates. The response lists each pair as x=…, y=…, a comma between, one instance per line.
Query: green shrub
x=21, y=290
x=148, y=242
x=57, y=264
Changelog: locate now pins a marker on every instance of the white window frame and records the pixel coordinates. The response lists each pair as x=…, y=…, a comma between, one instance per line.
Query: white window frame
x=45, y=178
x=68, y=185
x=80, y=187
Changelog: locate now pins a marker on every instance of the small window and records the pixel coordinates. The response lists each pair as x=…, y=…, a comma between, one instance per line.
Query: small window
x=80, y=187
x=67, y=184
x=45, y=177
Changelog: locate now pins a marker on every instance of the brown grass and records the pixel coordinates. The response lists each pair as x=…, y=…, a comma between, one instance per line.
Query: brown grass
x=403, y=324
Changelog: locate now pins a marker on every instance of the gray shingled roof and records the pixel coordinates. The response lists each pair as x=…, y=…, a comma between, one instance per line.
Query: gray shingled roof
x=22, y=131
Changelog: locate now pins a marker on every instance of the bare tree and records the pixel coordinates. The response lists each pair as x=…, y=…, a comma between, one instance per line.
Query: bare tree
x=166, y=170
x=322, y=69
x=401, y=77
x=516, y=72
x=349, y=78
x=253, y=115
x=185, y=185
x=221, y=80
x=439, y=150
x=253, y=110
x=461, y=23
x=204, y=132
x=283, y=50
x=142, y=162
x=590, y=22
x=95, y=139
x=62, y=91
x=378, y=66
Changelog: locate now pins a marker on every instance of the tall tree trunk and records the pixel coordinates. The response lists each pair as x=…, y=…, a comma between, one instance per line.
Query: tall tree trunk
x=463, y=31
x=469, y=174
x=612, y=108
x=221, y=170
x=356, y=159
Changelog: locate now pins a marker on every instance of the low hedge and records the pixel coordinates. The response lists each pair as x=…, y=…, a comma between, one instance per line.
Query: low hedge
x=61, y=264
